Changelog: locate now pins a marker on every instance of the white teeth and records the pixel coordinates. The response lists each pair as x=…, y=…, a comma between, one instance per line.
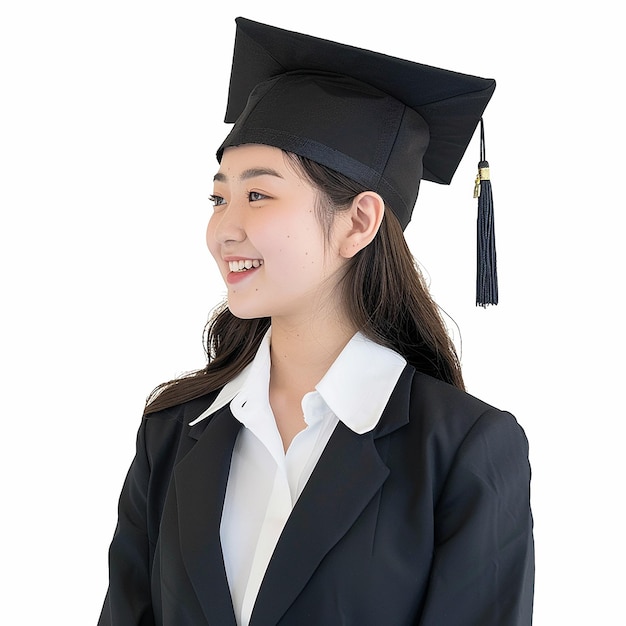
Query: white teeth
x=242, y=266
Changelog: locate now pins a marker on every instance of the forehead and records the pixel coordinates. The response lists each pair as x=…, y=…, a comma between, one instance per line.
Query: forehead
x=252, y=159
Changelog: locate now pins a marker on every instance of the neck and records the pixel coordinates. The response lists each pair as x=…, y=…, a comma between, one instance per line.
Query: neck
x=301, y=354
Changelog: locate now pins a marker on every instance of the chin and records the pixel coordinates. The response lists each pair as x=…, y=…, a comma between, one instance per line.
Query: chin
x=245, y=313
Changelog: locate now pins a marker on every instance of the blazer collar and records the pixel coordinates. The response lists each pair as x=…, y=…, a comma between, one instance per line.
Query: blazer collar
x=349, y=474
x=200, y=481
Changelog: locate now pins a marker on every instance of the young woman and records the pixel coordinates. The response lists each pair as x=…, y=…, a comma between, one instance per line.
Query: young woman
x=326, y=466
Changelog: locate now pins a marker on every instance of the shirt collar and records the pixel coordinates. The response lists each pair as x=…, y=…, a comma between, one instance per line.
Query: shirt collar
x=359, y=383
x=356, y=387
x=258, y=368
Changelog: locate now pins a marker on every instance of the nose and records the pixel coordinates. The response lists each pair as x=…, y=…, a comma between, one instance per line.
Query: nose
x=226, y=226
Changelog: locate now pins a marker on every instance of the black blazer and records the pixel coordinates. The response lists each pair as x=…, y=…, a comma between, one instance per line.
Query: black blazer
x=423, y=521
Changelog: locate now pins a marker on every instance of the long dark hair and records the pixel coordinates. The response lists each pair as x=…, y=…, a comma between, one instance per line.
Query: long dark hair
x=383, y=289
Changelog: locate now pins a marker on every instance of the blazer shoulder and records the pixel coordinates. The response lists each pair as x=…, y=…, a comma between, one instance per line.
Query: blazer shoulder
x=438, y=392
x=445, y=411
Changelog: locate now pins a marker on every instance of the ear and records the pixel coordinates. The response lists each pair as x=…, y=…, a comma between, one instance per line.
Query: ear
x=362, y=222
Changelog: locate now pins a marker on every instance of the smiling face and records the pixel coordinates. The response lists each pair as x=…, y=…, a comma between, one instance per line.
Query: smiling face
x=267, y=240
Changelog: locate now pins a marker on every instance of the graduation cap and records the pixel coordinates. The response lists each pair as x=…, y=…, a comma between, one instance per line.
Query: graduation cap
x=382, y=121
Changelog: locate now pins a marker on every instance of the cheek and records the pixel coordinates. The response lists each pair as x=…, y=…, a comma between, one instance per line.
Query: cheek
x=211, y=241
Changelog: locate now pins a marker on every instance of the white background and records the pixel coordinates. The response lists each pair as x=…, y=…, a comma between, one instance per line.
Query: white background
x=110, y=113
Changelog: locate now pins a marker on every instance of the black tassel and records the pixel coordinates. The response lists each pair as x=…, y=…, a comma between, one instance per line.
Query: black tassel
x=486, y=270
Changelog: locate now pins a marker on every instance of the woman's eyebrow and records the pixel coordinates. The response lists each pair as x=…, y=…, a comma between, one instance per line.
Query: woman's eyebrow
x=253, y=172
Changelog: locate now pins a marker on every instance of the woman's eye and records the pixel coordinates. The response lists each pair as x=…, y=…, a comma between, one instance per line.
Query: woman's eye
x=217, y=200
x=254, y=196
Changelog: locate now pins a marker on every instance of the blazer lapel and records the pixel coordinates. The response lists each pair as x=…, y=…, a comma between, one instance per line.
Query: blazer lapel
x=200, y=480
x=348, y=475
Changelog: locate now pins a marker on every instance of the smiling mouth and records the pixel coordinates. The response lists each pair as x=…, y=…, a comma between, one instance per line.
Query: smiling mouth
x=244, y=266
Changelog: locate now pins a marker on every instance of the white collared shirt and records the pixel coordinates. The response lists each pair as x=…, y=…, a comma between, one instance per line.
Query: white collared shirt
x=265, y=482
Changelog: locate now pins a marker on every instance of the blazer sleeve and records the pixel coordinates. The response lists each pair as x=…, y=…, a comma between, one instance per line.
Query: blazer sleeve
x=128, y=600
x=483, y=565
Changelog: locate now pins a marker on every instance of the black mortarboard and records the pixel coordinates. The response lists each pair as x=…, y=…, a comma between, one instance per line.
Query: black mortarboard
x=382, y=121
